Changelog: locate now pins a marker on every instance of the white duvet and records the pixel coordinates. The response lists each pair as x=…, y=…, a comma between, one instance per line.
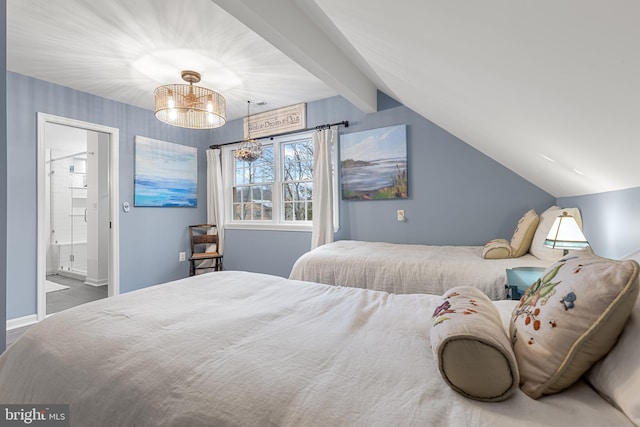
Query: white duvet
x=407, y=269
x=244, y=349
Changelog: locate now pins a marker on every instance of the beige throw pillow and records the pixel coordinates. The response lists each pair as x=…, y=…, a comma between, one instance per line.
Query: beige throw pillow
x=523, y=235
x=496, y=249
x=471, y=347
x=570, y=318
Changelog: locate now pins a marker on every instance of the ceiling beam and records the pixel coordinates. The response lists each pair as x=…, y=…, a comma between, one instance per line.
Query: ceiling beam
x=285, y=25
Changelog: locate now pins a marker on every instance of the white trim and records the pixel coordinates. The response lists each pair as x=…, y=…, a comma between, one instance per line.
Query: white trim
x=72, y=274
x=96, y=283
x=114, y=201
x=20, y=322
x=269, y=227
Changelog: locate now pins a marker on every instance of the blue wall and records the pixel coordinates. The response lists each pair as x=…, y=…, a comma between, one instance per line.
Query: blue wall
x=457, y=195
x=150, y=238
x=611, y=220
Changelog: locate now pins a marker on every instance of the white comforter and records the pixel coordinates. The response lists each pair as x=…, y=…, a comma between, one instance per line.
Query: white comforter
x=407, y=269
x=243, y=349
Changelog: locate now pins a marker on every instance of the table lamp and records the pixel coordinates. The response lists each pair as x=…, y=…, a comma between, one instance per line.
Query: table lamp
x=565, y=234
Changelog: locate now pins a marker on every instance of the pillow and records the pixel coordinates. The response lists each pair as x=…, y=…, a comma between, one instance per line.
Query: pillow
x=546, y=222
x=496, y=249
x=526, y=228
x=617, y=376
x=471, y=347
x=570, y=318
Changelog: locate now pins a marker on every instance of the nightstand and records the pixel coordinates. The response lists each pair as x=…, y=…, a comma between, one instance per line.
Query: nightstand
x=521, y=278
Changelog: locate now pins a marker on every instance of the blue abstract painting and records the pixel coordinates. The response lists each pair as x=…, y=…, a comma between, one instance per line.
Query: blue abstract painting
x=166, y=174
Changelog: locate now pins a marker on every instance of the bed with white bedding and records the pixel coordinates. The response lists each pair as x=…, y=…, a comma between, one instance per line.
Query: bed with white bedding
x=408, y=269
x=245, y=349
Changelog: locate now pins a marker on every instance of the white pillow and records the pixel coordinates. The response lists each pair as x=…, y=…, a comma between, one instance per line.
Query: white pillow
x=546, y=222
x=617, y=375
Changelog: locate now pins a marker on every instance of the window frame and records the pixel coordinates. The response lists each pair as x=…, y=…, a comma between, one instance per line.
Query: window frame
x=277, y=223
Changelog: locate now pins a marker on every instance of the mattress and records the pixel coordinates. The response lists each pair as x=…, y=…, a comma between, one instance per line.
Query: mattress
x=408, y=269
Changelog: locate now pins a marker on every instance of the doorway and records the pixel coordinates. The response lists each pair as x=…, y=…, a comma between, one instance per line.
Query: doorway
x=77, y=213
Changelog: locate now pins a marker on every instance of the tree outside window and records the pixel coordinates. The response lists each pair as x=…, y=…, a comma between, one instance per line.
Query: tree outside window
x=297, y=182
x=278, y=187
x=275, y=191
x=253, y=189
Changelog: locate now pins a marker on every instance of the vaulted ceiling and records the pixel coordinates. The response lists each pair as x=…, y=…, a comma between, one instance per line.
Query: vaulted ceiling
x=549, y=89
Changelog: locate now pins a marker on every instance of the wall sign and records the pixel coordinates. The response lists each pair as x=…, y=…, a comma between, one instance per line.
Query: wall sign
x=284, y=119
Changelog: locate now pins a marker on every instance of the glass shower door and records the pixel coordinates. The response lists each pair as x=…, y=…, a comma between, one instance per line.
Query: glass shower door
x=69, y=214
x=78, y=217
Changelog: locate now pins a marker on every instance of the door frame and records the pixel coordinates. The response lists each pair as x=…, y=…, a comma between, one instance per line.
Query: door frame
x=114, y=201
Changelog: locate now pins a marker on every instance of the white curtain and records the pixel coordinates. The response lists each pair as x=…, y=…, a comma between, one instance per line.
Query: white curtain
x=215, y=195
x=322, y=197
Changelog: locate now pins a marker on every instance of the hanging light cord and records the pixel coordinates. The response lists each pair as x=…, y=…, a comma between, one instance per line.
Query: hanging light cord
x=248, y=122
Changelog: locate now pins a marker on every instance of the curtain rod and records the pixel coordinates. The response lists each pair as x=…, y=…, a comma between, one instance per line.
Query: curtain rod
x=345, y=123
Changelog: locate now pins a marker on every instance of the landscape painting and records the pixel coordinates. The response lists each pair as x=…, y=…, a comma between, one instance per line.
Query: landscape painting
x=374, y=164
x=165, y=174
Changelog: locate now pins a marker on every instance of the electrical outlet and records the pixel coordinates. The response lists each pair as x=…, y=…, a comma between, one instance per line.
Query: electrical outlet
x=182, y=256
x=400, y=214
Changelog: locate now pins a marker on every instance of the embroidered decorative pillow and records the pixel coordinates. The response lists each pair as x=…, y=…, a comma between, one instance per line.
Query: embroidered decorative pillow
x=523, y=235
x=570, y=318
x=496, y=249
x=617, y=375
x=546, y=221
x=471, y=347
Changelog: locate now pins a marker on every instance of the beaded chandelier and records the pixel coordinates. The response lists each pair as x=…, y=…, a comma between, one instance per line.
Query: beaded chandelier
x=249, y=150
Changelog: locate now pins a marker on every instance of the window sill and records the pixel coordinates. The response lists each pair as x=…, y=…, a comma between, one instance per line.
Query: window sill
x=268, y=227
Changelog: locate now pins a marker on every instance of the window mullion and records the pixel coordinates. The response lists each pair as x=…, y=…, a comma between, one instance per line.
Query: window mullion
x=278, y=200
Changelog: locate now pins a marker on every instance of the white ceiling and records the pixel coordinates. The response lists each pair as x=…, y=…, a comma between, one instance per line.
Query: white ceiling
x=124, y=49
x=523, y=82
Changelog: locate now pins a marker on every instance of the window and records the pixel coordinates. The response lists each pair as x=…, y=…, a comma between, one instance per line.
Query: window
x=297, y=180
x=275, y=191
x=253, y=188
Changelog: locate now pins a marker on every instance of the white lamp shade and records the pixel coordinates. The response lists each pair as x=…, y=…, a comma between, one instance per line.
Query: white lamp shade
x=565, y=234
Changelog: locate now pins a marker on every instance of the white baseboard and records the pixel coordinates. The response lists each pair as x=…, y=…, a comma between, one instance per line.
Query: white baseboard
x=96, y=282
x=72, y=274
x=19, y=322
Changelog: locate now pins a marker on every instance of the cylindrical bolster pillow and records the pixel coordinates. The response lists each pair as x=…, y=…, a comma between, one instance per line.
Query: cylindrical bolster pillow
x=471, y=348
x=496, y=249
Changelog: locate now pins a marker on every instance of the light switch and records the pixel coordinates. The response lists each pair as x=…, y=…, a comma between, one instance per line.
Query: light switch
x=400, y=214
